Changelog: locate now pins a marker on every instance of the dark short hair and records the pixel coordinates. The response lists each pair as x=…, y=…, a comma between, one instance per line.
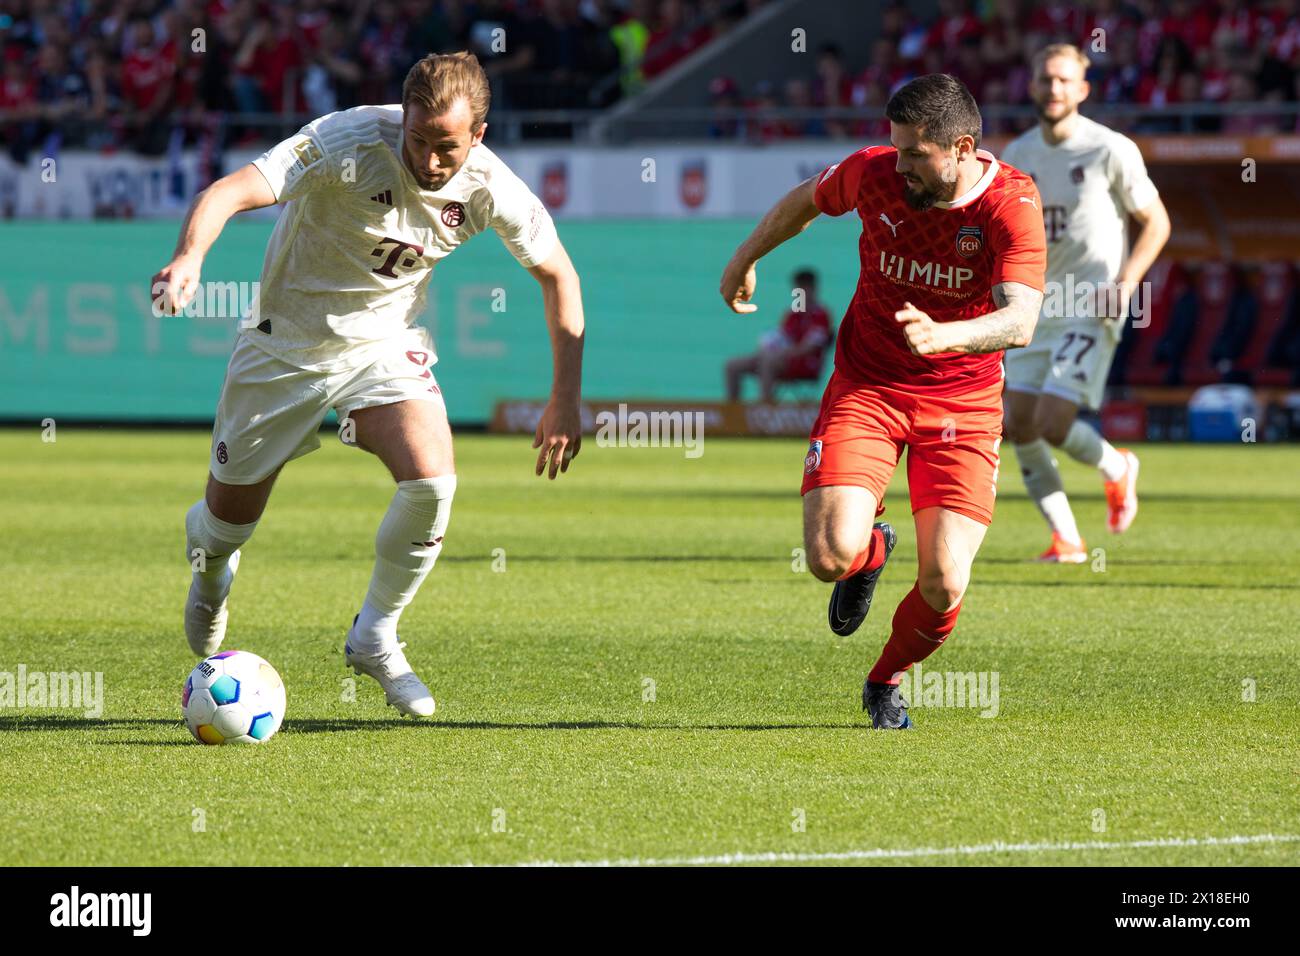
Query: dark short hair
x=805, y=278
x=939, y=106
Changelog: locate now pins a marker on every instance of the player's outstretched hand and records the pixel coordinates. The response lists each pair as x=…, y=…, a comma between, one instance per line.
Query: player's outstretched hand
x=923, y=333
x=739, y=280
x=559, y=436
x=173, y=285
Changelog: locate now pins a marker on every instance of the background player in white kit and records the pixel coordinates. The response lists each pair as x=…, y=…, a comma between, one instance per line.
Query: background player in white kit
x=374, y=197
x=1091, y=179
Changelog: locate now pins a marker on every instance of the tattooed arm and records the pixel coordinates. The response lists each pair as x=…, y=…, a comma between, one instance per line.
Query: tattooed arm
x=1011, y=326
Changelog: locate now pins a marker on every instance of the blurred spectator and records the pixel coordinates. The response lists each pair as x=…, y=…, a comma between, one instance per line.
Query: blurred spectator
x=833, y=88
x=332, y=76
x=18, y=101
x=724, y=96
x=384, y=54
x=147, y=78
x=793, y=352
x=673, y=38
x=764, y=126
x=631, y=36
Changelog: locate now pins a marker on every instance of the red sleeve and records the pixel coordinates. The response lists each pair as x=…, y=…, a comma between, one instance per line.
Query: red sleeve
x=1018, y=241
x=838, y=186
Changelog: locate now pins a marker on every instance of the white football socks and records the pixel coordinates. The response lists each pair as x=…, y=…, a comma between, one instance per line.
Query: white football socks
x=1084, y=444
x=209, y=543
x=406, y=547
x=1043, y=482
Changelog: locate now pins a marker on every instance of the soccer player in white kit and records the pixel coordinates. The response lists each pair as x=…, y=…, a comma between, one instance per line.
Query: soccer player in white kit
x=1091, y=179
x=373, y=198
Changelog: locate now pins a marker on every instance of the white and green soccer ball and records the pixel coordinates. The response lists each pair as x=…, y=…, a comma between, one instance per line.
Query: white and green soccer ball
x=233, y=698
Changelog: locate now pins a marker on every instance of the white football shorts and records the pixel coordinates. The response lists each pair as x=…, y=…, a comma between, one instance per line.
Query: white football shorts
x=1068, y=359
x=270, y=411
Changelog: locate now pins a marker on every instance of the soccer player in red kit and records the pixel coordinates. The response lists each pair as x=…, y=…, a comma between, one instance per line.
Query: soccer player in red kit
x=953, y=255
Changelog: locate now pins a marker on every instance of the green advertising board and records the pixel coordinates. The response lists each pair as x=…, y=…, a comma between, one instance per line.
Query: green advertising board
x=78, y=339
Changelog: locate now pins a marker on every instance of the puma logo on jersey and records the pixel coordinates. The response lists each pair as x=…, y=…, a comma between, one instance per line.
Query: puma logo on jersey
x=893, y=226
x=1029, y=199
x=398, y=255
x=384, y=198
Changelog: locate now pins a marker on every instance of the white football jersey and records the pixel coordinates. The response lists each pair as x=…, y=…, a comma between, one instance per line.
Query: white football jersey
x=347, y=267
x=1089, y=183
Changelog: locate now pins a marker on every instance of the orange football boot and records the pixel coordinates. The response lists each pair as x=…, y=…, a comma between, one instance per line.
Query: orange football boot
x=1121, y=496
x=1064, y=552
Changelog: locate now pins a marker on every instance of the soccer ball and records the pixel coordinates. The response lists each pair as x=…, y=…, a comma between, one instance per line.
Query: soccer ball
x=233, y=698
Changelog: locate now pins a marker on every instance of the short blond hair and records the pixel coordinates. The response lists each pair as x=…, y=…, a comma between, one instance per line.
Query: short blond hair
x=1061, y=49
x=440, y=79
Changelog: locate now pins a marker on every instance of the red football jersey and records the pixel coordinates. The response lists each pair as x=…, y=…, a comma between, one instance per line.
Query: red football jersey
x=945, y=260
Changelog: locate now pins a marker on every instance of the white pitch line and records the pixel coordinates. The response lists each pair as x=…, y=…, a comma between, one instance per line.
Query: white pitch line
x=884, y=853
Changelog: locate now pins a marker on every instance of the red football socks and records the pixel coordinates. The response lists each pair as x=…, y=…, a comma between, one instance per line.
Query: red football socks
x=872, y=556
x=917, y=633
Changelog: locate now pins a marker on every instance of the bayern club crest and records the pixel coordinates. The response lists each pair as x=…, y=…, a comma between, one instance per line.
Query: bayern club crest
x=814, y=459
x=970, y=240
x=453, y=214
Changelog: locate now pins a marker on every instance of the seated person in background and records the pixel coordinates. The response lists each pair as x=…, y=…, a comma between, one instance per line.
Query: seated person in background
x=792, y=352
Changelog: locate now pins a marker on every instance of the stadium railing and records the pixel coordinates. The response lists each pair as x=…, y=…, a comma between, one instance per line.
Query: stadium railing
x=594, y=127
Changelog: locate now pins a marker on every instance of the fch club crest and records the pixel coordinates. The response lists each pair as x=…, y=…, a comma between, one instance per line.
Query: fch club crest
x=970, y=240
x=813, y=460
x=694, y=183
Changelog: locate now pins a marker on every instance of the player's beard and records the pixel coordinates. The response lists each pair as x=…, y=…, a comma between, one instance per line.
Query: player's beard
x=928, y=196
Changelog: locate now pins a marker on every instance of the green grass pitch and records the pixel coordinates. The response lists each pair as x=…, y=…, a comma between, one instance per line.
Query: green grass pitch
x=1121, y=719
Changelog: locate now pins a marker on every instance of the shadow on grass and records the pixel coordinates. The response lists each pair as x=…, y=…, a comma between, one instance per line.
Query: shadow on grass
x=345, y=724
x=310, y=725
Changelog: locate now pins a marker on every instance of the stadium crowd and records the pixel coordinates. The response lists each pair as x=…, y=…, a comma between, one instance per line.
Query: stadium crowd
x=1152, y=53
x=114, y=73
x=132, y=73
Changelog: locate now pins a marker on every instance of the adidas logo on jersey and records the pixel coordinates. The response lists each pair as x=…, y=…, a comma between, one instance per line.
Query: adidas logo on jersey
x=385, y=197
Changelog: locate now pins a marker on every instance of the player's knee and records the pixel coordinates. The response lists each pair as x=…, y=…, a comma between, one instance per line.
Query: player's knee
x=1018, y=431
x=942, y=589
x=1054, y=431
x=829, y=558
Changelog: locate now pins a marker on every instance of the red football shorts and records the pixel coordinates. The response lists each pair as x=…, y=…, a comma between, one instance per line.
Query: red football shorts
x=952, y=443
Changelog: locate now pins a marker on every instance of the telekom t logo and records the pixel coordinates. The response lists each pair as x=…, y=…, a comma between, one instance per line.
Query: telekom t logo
x=1055, y=221
x=396, y=256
